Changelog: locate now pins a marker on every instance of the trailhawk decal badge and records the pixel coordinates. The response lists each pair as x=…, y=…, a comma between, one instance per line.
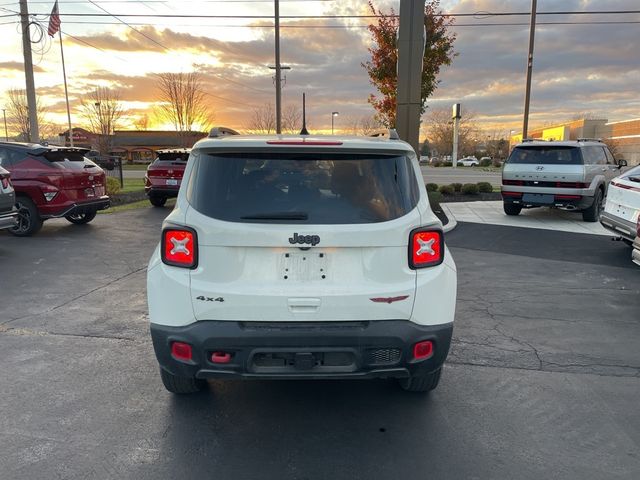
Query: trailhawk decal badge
x=389, y=299
x=302, y=239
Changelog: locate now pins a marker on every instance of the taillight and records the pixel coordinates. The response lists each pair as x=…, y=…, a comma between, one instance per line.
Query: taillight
x=179, y=247
x=426, y=248
x=571, y=185
x=6, y=182
x=511, y=194
x=181, y=351
x=423, y=350
x=518, y=183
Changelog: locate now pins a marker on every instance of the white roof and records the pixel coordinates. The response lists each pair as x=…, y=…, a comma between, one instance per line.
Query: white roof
x=559, y=143
x=296, y=141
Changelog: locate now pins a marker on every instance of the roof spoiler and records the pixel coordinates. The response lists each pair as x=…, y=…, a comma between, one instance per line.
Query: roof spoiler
x=218, y=132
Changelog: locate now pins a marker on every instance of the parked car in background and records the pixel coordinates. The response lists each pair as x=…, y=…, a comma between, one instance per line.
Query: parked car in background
x=635, y=255
x=52, y=182
x=301, y=257
x=164, y=175
x=572, y=175
x=622, y=209
x=469, y=162
x=8, y=212
x=107, y=162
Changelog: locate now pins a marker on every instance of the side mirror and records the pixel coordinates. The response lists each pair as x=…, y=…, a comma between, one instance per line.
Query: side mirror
x=622, y=163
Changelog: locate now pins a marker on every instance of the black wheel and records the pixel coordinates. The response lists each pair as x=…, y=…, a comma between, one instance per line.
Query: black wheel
x=180, y=385
x=81, y=218
x=592, y=214
x=157, y=201
x=29, y=221
x=421, y=383
x=512, y=208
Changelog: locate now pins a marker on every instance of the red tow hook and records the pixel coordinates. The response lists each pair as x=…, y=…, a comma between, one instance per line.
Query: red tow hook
x=220, y=357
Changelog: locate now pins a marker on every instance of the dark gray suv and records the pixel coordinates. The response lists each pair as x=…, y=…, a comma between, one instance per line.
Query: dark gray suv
x=572, y=175
x=8, y=212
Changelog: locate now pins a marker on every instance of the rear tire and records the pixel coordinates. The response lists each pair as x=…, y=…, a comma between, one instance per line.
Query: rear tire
x=81, y=218
x=29, y=221
x=180, y=385
x=592, y=214
x=512, y=208
x=158, y=201
x=421, y=383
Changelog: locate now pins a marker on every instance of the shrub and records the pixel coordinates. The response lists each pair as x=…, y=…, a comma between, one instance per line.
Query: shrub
x=446, y=189
x=457, y=186
x=497, y=163
x=470, y=189
x=485, y=187
x=447, y=164
x=485, y=162
x=113, y=186
x=437, y=163
x=432, y=187
x=434, y=199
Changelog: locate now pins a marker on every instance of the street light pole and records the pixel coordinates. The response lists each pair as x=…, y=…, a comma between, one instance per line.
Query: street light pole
x=527, y=92
x=333, y=115
x=278, y=79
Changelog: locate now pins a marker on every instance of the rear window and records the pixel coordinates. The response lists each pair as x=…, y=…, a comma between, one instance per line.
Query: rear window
x=62, y=155
x=172, y=157
x=552, y=155
x=312, y=188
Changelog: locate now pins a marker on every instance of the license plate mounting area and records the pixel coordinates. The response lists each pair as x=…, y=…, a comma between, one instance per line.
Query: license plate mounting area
x=304, y=266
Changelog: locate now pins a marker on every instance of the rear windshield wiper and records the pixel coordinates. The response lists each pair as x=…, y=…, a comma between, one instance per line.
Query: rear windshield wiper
x=277, y=216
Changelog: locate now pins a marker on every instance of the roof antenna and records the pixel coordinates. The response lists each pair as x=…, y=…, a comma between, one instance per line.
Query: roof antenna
x=304, y=130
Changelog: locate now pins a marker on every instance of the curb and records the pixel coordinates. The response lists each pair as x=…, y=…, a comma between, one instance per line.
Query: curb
x=452, y=223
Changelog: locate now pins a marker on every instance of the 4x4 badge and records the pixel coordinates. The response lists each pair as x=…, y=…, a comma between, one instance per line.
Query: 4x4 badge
x=539, y=167
x=302, y=239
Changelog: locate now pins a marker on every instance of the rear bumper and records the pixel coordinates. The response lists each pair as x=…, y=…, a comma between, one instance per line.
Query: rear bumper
x=559, y=200
x=618, y=225
x=8, y=219
x=100, y=203
x=302, y=350
x=168, y=192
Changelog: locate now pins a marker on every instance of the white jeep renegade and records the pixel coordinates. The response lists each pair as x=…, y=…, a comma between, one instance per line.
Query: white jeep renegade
x=301, y=257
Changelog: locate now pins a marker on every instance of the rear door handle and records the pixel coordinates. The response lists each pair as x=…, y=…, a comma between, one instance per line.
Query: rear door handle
x=303, y=305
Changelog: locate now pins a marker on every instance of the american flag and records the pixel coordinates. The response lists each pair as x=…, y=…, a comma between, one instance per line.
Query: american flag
x=54, y=21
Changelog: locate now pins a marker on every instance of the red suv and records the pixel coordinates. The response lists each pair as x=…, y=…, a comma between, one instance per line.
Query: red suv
x=53, y=182
x=164, y=175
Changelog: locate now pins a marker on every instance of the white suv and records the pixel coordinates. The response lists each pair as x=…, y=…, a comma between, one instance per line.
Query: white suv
x=301, y=257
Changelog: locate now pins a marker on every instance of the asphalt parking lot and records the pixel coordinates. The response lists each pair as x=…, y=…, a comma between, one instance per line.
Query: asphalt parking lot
x=543, y=379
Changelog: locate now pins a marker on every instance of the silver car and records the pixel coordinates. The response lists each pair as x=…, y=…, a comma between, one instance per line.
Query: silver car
x=572, y=175
x=8, y=212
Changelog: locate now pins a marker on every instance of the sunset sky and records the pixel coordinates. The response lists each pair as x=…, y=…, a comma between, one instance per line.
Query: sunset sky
x=593, y=67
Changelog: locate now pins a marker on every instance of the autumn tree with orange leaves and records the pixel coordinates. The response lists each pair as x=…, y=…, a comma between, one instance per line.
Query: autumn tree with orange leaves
x=382, y=68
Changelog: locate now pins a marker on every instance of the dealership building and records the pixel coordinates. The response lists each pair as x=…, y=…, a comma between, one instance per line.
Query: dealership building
x=622, y=137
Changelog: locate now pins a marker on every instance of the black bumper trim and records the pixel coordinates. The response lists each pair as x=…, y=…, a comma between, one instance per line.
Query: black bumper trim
x=161, y=192
x=8, y=220
x=94, y=205
x=618, y=226
x=246, y=341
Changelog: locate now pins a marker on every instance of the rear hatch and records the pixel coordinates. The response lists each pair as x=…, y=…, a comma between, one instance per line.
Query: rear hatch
x=79, y=177
x=623, y=196
x=168, y=168
x=293, y=236
x=542, y=166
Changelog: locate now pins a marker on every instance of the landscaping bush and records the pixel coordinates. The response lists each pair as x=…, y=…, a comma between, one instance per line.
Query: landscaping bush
x=470, y=189
x=456, y=186
x=485, y=187
x=497, y=163
x=446, y=189
x=113, y=186
x=437, y=163
x=432, y=187
x=485, y=162
x=434, y=199
x=447, y=164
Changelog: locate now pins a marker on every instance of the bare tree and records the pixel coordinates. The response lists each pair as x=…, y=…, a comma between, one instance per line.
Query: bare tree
x=102, y=109
x=142, y=122
x=440, y=132
x=263, y=120
x=18, y=115
x=366, y=125
x=291, y=119
x=183, y=101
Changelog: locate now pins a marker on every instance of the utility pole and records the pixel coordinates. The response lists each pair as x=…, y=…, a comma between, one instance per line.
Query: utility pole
x=411, y=40
x=278, y=79
x=527, y=92
x=34, y=134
